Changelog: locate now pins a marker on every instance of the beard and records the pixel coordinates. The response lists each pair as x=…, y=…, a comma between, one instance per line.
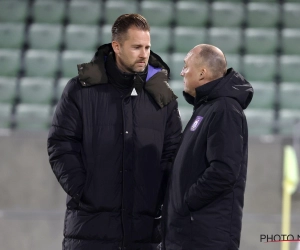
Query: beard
x=134, y=67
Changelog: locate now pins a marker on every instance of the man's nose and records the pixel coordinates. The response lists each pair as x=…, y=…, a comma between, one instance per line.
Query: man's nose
x=143, y=53
x=182, y=73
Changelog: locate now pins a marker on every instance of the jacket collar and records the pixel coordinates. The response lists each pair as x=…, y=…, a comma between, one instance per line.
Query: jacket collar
x=156, y=85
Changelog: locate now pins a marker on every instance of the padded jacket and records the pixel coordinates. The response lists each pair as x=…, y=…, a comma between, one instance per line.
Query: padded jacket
x=111, y=152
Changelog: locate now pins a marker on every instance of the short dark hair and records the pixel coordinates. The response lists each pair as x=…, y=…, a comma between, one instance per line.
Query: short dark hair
x=124, y=22
x=213, y=60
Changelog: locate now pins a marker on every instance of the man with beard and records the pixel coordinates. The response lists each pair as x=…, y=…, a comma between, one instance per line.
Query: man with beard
x=112, y=141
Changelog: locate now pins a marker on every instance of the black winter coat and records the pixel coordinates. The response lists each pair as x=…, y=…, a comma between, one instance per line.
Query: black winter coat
x=203, y=207
x=110, y=152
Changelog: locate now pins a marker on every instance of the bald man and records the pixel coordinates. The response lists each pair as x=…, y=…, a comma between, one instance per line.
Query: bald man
x=204, y=204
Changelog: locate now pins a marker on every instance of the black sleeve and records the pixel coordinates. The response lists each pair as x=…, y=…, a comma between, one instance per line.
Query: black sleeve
x=64, y=143
x=224, y=155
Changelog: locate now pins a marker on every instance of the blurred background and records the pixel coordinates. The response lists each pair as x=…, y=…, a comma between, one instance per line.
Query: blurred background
x=42, y=41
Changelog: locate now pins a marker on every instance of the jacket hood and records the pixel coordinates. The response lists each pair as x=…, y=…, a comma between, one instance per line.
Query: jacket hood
x=157, y=86
x=235, y=86
x=94, y=72
x=232, y=85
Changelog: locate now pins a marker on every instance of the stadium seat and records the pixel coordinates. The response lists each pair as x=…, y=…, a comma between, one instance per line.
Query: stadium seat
x=36, y=90
x=291, y=13
x=229, y=40
x=13, y=11
x=264, y=95
x=48, y=11
x=41, y=63
x=290, y=68
x=196, y=11
x=259, y=67
x=82, y=37
x=288, y=118
x=289, y=96
x=9, y=62
x=105, y=36
x=45, y=36
x=229, y=1
x=113, y=9
x=264, y=1
x=264, y=15
x=157, y=13
x=227, y=14
x=160, y=39
x=176, y=65
x=261, y=41
x=177, y=87
x=12, y=35
x=61, y=84
x=32, y=116
x=5, y=115
x=291, y=41
x=165, y=57
x=260, y=122
x=84, y=12
x=185, y=114
x=7, y=89
x=185, y=38
x=70, y=60
x=233, y=61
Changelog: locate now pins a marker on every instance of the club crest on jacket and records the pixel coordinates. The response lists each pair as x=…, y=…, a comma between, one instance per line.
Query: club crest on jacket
x=196, y=123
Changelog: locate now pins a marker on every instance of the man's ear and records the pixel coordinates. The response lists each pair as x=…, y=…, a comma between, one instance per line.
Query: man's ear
x=116, y=47
x=202, y=73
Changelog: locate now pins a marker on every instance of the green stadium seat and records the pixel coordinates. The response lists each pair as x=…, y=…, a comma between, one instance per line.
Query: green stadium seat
x=105, y=36
x=290, y=68
x=165, y=57
x=45, y=36
x=186, y=38
x=291, y=14
x=265, y=15
x=113, y=9
x=61, y=84
x=5, y=115
x=9, y=62
x=261, y=41
x=259, y=67
x=82, y=37
x=260, y=122
x=176, y=65
x=13, y=11
x=233, y=61
x=84, y=12
x=227, y=14
x=264, y=1
x=288, y=118
x=289, y=96
x=290, y=41
x=160, y=39
x=157, y=13
x=229, y=1
x=41, y=63
x=70, y=60
x=229, y=40
x=32, y=117
x=177, y=87
x=185, y=114
x=36, y=90
x=12, y=35
x=197, y=13
x=264, y=95
x=48, y=11
x=7, y=89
